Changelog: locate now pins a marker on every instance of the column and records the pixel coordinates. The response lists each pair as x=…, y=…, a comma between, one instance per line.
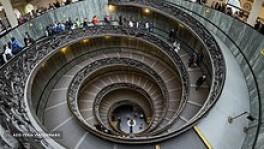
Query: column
x=9, y=12
x=256, y=6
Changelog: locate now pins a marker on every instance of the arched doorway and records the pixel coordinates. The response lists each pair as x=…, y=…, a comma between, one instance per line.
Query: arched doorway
x=234, y=4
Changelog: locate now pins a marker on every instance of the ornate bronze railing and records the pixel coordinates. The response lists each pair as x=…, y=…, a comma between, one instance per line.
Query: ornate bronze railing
x=81, y=76
x=217, y=59
x=117, y=86
x=13, y=76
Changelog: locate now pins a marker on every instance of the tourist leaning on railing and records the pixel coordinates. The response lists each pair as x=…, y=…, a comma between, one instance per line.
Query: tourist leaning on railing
x=28, y=40
x=39, y=11
x=237, y=13
x=5, y=54
x=259, y=26
x=16, y=46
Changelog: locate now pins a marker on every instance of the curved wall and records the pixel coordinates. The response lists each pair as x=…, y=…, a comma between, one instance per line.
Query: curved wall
x=231, y=31
x=37, y=26
x=162, y=25
x=47, y=74
x=246, y=44
x=77, y=51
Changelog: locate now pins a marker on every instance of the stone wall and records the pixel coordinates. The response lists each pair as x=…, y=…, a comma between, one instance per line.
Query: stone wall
x=36, y=27
x=243, y=41
x=246, y=44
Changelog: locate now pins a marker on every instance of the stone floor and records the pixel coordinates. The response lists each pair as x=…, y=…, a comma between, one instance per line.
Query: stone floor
x=233, y=101
x=125, y=114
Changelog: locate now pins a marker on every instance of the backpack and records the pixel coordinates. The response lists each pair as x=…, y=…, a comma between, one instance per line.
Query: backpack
x=8, y=56
x=15, y=50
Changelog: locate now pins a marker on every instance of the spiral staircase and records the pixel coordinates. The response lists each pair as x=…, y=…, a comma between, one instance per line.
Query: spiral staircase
x=72, y=83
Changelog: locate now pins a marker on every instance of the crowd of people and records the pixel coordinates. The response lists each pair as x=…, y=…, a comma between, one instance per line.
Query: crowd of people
x=39, y=11
x=134, y=24
x=195, y=60
x=172, y=38
x=236, y=13
x=225, y=8
x=69, y=24
x=220, y=6
x=259, y=26
x=14, y=47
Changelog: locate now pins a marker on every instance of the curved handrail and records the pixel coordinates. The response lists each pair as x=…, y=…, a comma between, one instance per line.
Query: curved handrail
x=77, y=81
x=222, y=13
x=143, y=34
x=36, y=26
x=201, y=33
x=130, y=86
x=245, y=58
x=103, y=92
x=25, y=63
x=254, y=78
x=48, y=11
x=77, y=37
x=115, y=31
x=109, y=88
x=31, y=19
x=73, y=94
x=82, y=33
x=151, y=33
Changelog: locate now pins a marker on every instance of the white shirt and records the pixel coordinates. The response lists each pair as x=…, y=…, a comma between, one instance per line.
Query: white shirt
x=8, y=51
x=147, y=25
x=177, y=47
x=130, y=24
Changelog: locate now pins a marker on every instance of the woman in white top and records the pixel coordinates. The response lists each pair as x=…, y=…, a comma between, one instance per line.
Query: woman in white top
x=147, y=25
x=176, y=46
x=7, y=53
x=131, y=24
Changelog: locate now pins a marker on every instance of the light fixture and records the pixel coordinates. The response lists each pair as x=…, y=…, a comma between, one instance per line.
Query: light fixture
x=107, y=37
x=262, y=51
x=249, y=117
x=111, y=8
x=157, y=146
x=85, y=41
x=64, y=50
x=28, y=8
x=44, y=64
x=146, y=10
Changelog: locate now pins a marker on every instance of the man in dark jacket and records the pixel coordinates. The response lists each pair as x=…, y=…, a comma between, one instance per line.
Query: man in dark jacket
x=28, y=40
x=200, y=81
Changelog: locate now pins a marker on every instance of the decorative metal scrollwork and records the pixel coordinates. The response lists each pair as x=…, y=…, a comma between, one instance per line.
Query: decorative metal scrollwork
x=14, y=75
